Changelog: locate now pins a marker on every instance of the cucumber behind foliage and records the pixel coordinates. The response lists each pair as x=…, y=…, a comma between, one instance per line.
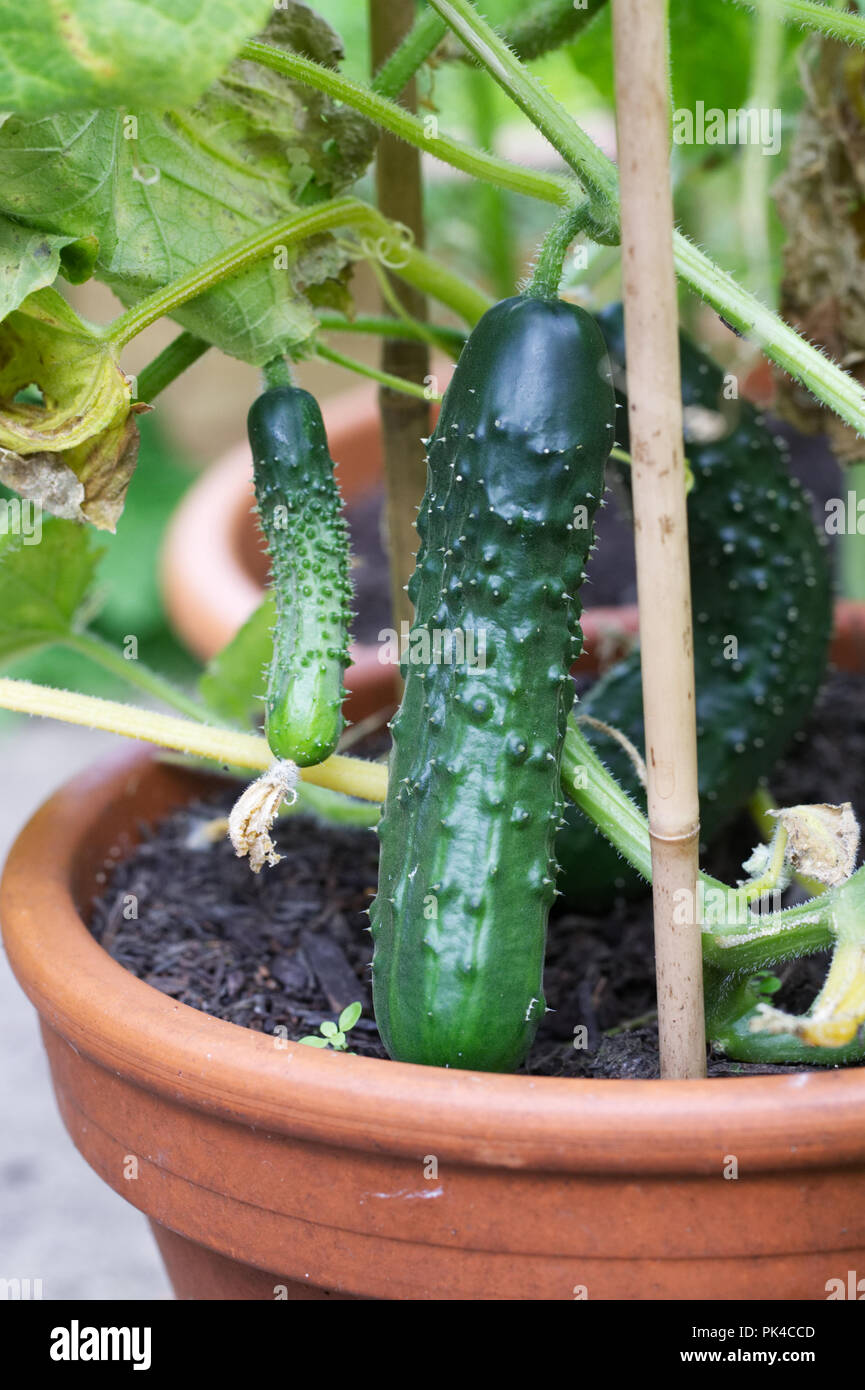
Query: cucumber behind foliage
x=762, y=606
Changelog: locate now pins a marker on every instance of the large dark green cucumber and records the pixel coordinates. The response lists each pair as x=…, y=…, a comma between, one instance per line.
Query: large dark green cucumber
x=467, y=874
x=762, y=608
x=299, y=509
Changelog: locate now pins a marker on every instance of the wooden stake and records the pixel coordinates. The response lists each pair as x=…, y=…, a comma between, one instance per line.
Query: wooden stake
x=660, y=523
x=405, y=420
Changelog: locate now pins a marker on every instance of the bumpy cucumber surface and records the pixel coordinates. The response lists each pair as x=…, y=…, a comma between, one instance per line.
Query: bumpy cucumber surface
x=467, y=874
x=299, y=509
x=762, y=608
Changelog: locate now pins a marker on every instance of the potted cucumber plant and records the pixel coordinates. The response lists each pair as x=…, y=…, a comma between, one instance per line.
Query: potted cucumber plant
x=403, y=1144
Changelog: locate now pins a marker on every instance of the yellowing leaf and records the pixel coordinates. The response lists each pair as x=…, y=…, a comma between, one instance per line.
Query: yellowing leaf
x=75, y=450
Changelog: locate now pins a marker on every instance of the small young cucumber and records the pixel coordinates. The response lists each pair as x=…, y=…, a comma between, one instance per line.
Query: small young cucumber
x=307, y=538
x=467, y=874
x=762, y=605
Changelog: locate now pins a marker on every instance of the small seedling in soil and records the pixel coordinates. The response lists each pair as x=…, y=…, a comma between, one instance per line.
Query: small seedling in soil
x=333, y=1034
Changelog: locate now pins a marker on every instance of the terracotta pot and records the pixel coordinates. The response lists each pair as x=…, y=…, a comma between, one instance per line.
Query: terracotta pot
x=275, y=1170
x=214, y=570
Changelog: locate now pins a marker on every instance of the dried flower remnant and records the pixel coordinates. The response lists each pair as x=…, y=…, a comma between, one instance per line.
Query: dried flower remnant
x=255, y=811
x=823, y=840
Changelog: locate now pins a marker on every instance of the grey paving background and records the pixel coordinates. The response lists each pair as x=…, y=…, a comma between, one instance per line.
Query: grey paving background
x=58, y=1221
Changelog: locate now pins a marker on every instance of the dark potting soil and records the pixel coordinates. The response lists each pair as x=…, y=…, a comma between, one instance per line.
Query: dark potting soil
x=288, y=948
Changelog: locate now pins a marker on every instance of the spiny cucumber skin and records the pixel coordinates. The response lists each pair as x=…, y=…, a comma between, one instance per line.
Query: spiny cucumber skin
x=759, y=573
x=467, y=872
x=299, y=508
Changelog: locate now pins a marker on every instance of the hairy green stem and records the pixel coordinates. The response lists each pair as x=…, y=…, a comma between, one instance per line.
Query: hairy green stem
x=733, y=938
x=597, y=793
x=596, y=173
x=380, y=239
x=214, y=742
x=851, y=544
x=548, y=25
x=834, y=387
x=421, y=132
x=170, y=363
x=834, y=24
x=276, y=372
x=321, y=801
x=550, y=264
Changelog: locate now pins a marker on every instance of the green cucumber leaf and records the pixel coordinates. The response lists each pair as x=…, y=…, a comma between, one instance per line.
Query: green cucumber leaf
x=30, y=260
x=696, y=30
x=234, y=683
x=163, y=192
x=97, y=53
x=74, y=450
x=46, y=572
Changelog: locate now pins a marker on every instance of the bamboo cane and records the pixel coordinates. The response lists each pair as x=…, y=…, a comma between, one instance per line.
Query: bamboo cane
x=660, y=524
x=405, y=420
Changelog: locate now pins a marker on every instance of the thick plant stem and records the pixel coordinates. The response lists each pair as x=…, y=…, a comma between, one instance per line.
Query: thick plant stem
x=734, y=939
x=597, y=793
x=380, y=240
x=365, y=780
x=171, y=362
x=546, y=25
x=851, y=545
x=276, y=372
x=550, y=263
x=661, y=526
x=405, y=420
x=596, y=173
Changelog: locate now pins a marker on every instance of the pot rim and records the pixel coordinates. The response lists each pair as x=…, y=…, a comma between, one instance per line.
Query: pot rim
x=553, y=1123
